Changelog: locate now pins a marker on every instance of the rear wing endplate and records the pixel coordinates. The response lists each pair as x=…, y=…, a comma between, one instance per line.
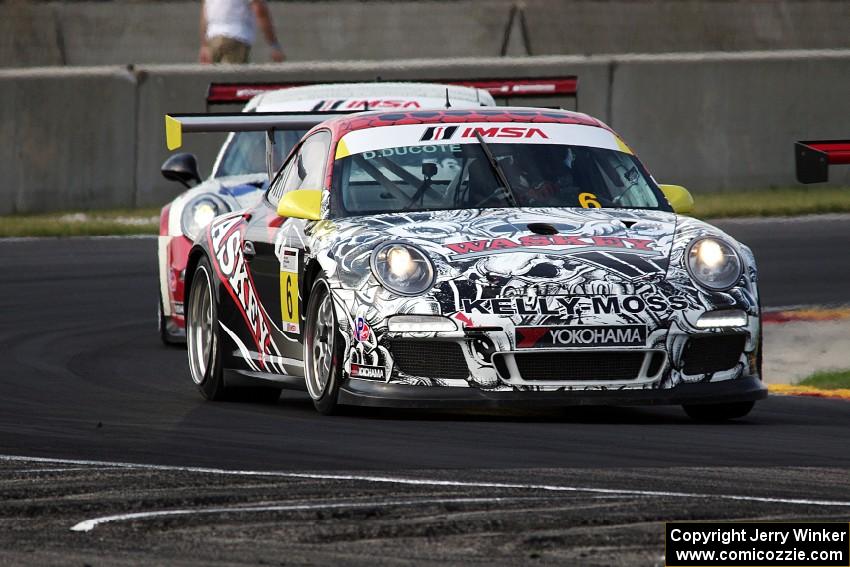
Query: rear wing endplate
x=236, y=93
x=814, y=158
x=269, y=122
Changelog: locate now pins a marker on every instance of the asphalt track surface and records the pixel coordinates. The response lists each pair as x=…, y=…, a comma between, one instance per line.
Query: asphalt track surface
x=84, y=378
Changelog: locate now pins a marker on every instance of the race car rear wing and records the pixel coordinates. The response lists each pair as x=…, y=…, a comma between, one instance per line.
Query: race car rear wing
x=238, y=93
x=268, y=122
x=814, y=158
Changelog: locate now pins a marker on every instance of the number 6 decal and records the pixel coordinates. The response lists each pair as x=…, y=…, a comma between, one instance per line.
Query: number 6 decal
x=289, y=289
x=289, y=309
x=588, y=201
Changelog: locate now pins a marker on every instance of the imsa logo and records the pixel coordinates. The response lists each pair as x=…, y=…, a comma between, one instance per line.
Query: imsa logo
x=585, y=336
x=362, y=104
x=505, y=132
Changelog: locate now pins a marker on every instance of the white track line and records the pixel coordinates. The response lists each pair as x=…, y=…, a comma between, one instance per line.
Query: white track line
x=64, y=469
x=436, y=482
x=88, y=525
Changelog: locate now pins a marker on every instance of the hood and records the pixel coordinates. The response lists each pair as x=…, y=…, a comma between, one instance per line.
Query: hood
x=554, y=250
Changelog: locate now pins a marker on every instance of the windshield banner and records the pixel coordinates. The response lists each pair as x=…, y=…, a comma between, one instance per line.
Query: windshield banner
x=426, y=137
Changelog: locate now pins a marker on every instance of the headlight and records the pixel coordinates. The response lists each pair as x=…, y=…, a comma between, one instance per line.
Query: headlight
x=713, y=263
x=402, y=268
x=199, y=212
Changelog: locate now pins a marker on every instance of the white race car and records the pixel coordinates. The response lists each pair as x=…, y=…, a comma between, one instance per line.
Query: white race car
x=240, y=172
x=473, y=257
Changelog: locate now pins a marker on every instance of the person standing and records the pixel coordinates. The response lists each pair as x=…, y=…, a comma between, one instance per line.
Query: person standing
x=228, y=30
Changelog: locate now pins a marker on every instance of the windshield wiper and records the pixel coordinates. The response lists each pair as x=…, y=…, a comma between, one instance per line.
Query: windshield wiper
x=500, y=174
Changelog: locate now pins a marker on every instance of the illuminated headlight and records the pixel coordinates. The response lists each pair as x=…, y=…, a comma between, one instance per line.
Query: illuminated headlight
x=713, y=263
x=724, y=318
x=420, y=324
x=199, y=212
x=402, y=268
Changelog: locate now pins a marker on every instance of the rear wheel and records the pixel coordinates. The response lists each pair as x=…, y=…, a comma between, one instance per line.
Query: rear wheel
x=202, y=335
x=322, y=349
x=203, y=341
x=718, y=412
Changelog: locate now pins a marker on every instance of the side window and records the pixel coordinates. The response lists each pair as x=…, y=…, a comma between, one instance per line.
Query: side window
x=306, y=169
x=624, y=182
x=276, y=190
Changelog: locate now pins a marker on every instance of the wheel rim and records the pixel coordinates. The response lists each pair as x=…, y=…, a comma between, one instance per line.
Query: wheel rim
x=319, y=348
x=199, y=334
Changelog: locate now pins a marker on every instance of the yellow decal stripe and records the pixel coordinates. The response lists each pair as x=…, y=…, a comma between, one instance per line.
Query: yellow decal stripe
x=789, y=390
x=623, y=147
x=816, y=314
x=341, y=150
x=173, y=133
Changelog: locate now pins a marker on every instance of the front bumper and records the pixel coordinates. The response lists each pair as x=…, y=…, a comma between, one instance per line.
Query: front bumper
x=173, y=257
x=376, y=394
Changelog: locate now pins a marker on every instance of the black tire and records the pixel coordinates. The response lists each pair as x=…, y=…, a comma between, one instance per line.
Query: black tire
x=204, y=335
x=324, y=391
x=714, y=413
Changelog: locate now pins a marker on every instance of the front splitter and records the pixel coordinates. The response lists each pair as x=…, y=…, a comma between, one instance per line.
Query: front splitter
x=377, y=394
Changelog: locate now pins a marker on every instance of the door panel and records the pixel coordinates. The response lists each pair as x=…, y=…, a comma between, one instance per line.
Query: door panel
x=274, y=263
x=278, y=263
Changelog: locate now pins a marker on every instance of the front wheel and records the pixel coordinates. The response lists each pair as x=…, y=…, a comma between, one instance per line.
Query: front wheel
x=718, y=412
x=322, y=349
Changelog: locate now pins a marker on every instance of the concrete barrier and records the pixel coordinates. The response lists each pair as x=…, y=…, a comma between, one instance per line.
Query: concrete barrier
x=69, y=139
x=663, y=26
x=109, y=33
x=93, y=138
x=156, y=32
x=716, y=122
x=30, y=35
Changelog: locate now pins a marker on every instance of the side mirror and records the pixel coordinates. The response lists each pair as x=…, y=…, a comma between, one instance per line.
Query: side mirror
x=182, y=168
x=301, y=204
x=679, y=198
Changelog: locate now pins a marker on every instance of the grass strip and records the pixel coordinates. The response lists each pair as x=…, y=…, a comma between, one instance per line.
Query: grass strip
x=772, y=202
x=764, y=203
x=828, y=380
x=95, y=223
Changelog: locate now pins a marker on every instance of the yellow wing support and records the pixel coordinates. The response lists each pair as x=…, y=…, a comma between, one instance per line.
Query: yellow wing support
x=173, y=133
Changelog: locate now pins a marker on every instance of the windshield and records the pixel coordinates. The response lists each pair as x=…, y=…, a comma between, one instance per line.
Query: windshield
x=246, y=152
x=460, y=176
